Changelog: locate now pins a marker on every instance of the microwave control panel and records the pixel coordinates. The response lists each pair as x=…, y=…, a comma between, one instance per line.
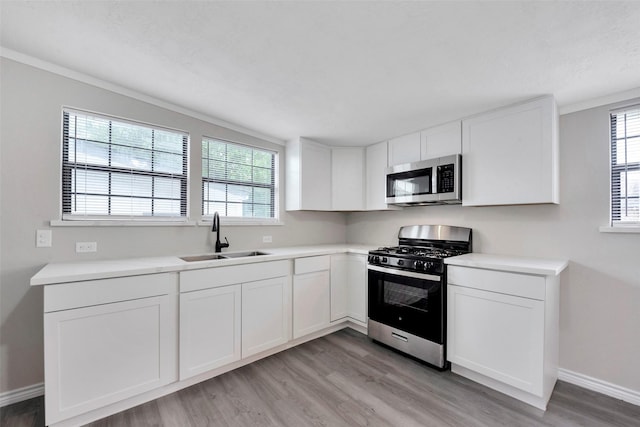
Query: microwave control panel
x=446, y=178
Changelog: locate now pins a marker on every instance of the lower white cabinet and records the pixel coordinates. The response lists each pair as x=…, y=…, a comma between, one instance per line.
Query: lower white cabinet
x=266, y=311
x=210, y=322
x=311, y=295
x=96, y=355
x=349, y=287
x=502, y=330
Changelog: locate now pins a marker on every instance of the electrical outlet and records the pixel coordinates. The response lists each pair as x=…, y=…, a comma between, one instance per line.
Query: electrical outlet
x=267, y=239
x=86, y=247
x=43, y=238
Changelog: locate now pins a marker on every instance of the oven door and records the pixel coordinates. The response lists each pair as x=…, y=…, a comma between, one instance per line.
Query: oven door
x=411, y=302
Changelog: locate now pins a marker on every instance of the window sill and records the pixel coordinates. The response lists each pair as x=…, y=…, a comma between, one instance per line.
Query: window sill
x=119, y=223
x=628, y=229
x=241, y=222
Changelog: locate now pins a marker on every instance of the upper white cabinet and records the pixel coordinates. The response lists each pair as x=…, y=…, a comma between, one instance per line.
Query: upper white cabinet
x=347, y=179
x=376, y=156
x=443, y=140
x=404, y=149
x=308, y=175
x=510, y=155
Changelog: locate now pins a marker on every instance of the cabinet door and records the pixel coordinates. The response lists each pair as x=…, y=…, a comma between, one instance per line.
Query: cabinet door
x=404, y=149
x=357, y=287
x=510, y=156
x=500, y=336
x=266, y=314
x=339, y=295
x=103, y=354
x=311, y=302
x=376, y=181
x=347, y=179
x=308, y=175
x=443, y=140
x=209, y=329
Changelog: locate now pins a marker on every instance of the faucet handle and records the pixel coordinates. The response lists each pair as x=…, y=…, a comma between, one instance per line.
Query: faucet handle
x=225, y=245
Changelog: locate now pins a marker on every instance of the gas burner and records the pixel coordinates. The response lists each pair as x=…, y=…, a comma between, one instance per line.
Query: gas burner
x=423, y=248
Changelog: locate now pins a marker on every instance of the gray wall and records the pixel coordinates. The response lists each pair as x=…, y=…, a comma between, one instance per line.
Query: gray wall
x=600, y=294
x=31, y=105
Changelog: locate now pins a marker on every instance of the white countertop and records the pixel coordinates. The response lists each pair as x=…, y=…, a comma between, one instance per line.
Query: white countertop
x=514, y=264
x=103, y=269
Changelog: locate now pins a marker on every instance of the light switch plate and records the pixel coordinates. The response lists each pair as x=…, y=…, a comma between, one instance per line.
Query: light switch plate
x=267, y=239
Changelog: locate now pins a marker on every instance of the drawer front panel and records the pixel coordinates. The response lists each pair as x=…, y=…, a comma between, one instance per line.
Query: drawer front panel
x=311, y=264
x=206, y=278
x=522, y=285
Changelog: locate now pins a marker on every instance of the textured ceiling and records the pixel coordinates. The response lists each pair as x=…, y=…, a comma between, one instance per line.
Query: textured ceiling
x=339, y=72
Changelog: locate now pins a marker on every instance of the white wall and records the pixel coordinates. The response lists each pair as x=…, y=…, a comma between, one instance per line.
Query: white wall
x=30, y=116
x=600, y=294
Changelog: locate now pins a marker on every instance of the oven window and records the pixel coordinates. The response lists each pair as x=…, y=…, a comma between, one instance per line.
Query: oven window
x=406, y=296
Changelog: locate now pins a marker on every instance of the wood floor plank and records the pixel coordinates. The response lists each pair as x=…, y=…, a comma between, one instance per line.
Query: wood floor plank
x=345, y=379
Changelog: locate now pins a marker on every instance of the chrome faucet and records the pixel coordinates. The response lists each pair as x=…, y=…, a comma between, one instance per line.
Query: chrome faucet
x=216, y=227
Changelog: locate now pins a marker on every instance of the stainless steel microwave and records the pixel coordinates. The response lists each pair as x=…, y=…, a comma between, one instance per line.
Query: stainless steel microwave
x=428, y=182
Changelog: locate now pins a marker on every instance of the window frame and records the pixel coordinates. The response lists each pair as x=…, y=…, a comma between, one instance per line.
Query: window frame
x=71, y=219
x=239, y=220
x=615, y=197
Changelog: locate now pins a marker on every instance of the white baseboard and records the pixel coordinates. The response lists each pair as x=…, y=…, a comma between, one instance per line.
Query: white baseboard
x=24, y=393
x=594, y=384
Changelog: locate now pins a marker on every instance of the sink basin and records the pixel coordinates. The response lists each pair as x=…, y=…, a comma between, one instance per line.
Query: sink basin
x=242, y=254
x=207, y=257
x=211, y=257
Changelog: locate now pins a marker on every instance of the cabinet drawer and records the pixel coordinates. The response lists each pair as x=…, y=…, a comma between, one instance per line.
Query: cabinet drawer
x=206, y=278
x=311, y=264
x=104, y=291
x=522, y=285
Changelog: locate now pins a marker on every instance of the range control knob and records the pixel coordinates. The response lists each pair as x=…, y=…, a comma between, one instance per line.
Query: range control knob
x=428, y=265
x=400, y=262
x=384, y=260
x=419, y=265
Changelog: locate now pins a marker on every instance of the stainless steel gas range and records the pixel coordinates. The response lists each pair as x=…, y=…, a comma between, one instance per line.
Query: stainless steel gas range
x=407, y=290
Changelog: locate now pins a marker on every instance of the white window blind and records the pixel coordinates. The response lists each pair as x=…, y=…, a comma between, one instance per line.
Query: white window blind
x=237, y=180
x=118, y=169
x=625, y=167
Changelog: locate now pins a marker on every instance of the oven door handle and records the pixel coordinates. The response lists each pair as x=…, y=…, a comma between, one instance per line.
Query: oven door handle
x=395, y=272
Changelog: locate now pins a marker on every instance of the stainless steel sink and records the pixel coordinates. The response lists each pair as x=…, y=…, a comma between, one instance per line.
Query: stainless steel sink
x=208, y=257
x=211, y=257
x=243, y=254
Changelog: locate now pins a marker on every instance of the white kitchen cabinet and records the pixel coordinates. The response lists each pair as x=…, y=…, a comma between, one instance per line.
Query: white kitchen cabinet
x=502, y=330
x=347, y=179
x=404, y=149
x=510, y=155
x=311, y=295
x=308, y=175
x=349, y=287
x=209, y=329
x=266, y=313
x=102, y=346
x=443, y=140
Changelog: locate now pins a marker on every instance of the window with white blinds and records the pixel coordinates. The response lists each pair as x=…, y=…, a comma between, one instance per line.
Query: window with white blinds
x=625, y=167
x=119, y=169
x=237, y=180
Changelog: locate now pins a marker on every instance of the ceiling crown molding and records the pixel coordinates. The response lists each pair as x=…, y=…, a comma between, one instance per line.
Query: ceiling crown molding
x=93, y=81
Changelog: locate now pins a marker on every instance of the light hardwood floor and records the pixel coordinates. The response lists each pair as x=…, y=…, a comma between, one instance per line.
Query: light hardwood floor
x=344, y=379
